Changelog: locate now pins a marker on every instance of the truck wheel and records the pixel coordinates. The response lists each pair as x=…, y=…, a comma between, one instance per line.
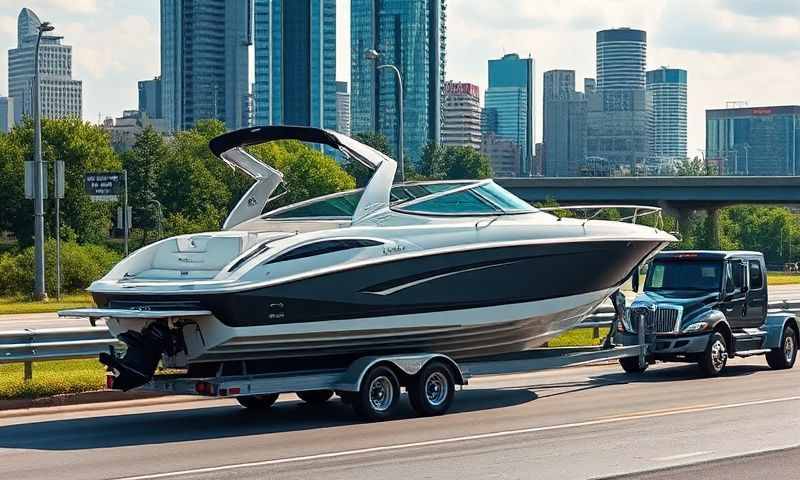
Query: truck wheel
x=431, y=391
x=631, y=365
x=377, y=399
x=257, y=402
x=715, y=358
x=784, y=356
x=315, y=397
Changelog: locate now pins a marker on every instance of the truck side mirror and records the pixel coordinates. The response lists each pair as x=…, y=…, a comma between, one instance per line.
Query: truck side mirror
x=635, y=279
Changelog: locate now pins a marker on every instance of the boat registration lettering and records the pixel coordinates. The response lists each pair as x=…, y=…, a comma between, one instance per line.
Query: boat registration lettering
x=394, y=249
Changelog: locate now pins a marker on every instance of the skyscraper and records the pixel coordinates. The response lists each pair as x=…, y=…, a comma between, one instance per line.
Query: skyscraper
x=150, y=98
x=295, y=62
x=618, y=110
x=621, y=58
x=204, y=61
x=667, y=89
x=409, y=34
x=6, y=114
x=61, y=96
x=564, y=129
x=461, y=115
x=510, y=94
x=754, y=141
x=342, y=108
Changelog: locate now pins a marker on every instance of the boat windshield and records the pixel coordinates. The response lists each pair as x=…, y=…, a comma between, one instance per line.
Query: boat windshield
x=485, y=198
x=343, y=205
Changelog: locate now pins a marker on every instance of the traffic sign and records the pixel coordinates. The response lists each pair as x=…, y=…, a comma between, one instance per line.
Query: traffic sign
x=104, y=186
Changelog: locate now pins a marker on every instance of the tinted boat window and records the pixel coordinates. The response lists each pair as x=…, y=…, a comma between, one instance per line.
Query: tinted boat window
x=322, y=247
x=503, y=198
x=464, y=202
x=343, y=206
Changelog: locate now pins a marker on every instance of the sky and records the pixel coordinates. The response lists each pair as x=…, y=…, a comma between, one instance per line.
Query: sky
x=733, y=50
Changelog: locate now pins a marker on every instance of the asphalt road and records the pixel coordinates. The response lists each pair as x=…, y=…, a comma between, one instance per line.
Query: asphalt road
x=591, y=422
x=51, y=320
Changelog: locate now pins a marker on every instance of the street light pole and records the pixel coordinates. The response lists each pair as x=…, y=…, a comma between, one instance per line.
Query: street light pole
x=374, y=55
x=39, y=291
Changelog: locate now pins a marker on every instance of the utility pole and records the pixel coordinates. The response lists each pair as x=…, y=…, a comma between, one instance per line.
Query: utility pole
x=39, y=291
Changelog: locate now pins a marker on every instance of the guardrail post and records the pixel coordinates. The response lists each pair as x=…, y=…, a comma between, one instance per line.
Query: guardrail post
x=642, y=340
x=28, y=371
x=596, y=332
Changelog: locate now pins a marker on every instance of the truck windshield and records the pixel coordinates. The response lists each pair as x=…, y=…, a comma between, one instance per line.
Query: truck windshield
x=683, y=275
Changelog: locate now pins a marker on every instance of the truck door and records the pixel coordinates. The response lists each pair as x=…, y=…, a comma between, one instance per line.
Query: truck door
x=734, y=304
x=756, y=295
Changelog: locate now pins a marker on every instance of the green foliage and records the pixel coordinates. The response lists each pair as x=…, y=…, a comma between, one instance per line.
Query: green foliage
x=694, y=167
x=51, y=378
x=376, y=140
x=143, y=163
x=83, y=148
x=80, y=266
x=308, y=173
x=453, y=163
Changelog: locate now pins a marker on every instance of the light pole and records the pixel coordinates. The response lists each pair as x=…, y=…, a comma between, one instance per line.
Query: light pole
x=39, y=291
x=373, y=54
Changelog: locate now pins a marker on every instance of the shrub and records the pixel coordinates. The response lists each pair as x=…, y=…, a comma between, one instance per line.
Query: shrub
x=80, y=266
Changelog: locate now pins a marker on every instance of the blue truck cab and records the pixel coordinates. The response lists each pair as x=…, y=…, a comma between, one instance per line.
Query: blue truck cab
x=704, y=307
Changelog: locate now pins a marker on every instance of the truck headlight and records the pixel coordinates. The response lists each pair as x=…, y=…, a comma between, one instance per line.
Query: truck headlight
x=696, y=327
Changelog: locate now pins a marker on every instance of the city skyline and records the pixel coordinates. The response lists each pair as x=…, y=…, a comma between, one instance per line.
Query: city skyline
x=731, y=49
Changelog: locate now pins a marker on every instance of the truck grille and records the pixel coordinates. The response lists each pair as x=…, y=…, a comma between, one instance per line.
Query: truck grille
x=661, y=320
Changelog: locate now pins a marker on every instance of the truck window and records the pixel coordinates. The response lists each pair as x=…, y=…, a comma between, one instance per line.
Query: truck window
x=756, y=277
x=734, y=277
x=684, y=275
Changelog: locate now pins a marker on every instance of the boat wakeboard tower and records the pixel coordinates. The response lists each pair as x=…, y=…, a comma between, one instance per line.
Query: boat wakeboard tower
x=461, y=268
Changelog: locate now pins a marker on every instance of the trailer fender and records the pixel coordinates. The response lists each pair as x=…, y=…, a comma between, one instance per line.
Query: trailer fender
x=774, y=325
x=407, y=364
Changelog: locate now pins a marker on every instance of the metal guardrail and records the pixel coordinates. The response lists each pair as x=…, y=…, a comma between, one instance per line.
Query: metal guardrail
x=36, y=345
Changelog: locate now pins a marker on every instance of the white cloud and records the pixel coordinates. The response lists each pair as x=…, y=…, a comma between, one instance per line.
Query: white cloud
x=72, y=6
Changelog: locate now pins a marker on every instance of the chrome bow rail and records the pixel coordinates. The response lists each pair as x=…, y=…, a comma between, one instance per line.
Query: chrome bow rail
x=591, y=212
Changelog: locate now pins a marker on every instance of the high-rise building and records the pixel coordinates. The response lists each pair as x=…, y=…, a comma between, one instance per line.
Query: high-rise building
x=621, y=58
x=204, y=61
x=150, y=98
x=505, y=156
x=564, y=129
x=619, y=109
x=589, y=85
x=754, y=141
x=6, y=114
x=667, y=89
x=342, y=108
x=61, y=96
x=410, y=35
x=295, y=62
x=510, y=94
x=461, y=115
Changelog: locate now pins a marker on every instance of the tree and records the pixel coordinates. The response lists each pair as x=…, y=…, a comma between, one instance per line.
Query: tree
x=694, y=167
x=143, y=163
x=83, y=148
x=376, y=140
x=453, y=163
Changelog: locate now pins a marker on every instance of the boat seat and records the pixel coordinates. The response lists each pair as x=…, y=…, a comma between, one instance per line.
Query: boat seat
x=195, y=258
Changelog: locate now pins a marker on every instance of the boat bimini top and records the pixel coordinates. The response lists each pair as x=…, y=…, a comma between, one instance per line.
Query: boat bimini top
x=230, y=148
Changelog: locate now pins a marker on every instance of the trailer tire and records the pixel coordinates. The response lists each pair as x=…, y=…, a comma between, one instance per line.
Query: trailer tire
x=257, y=402
x=783, y=357
x=377, y=398
x=315, y=397
x=631, y=365
x=431, y=391
x=715, y=358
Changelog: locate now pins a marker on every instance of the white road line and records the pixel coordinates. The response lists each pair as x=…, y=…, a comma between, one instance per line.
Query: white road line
x=682, y=456
x=428, y=443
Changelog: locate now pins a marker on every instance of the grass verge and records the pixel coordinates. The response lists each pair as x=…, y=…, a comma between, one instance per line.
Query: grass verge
x=51, y=378
x=775, y=278
x=580, y=337
x=20, y=305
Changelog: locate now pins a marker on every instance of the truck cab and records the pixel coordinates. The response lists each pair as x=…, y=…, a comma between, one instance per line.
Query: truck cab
x=704, y=307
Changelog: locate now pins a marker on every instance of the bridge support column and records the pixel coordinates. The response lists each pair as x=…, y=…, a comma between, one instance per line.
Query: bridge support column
x=712, y=223
x=684, y=222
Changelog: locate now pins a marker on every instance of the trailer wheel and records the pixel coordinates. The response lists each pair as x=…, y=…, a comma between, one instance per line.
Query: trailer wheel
x=714, y=360
x=431, y=391
x=377, y=399
x=631, y=365
x=315, y=397
x=257, y=402
x=784, y=356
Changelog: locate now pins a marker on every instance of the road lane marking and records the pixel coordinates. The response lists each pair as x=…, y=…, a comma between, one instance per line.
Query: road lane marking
x=466, y=438
x=682, y=456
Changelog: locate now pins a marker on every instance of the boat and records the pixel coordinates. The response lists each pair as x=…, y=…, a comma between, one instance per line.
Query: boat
x=463, y=268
